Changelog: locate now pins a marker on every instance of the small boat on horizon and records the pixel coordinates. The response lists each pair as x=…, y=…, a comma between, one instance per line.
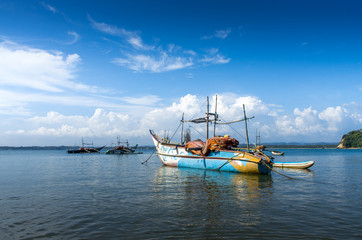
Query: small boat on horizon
x=84, y=149
x=120, y=149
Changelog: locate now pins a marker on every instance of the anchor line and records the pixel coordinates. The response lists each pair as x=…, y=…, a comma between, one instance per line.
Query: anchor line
x=149, y=156
x=279, y=172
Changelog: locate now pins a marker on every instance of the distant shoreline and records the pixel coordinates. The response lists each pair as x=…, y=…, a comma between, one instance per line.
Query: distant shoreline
x=270, y=147
x=55, y=147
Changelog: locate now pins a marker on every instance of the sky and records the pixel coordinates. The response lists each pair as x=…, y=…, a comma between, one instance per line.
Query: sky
x=101, y=69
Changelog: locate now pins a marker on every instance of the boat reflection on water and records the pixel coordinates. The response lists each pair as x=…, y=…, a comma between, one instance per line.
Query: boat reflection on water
x=214, y=196
x=296, y=173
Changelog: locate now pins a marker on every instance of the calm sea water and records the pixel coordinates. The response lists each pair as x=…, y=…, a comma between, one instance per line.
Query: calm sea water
x=55, y=195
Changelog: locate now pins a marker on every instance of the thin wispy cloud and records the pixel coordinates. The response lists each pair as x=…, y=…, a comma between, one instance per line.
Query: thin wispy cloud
x=156, y=59
x=221, y=34
x=75, y=39
x=107, y=28
x=214, y=57
x=162, y=63
x=49, y=7
x=147, y=100
x=132, y=37
x=303, y=44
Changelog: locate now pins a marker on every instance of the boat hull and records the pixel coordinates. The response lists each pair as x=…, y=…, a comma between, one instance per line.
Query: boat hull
x=295, y=165
x=230, y=161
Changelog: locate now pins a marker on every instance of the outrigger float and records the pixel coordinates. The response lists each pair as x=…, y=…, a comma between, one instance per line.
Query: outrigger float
x=217, y=153
x=277, y=153
x=295, y=165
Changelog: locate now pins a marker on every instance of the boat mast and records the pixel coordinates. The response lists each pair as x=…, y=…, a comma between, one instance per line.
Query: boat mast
x=246, y=128
x=182, y=129
x=207, y=120
x=215, y=115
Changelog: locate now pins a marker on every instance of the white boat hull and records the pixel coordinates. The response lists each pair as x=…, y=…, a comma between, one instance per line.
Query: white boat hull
x=296, y=165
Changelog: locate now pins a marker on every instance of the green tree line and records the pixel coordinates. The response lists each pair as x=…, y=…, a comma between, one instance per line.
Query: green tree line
x=353, y=139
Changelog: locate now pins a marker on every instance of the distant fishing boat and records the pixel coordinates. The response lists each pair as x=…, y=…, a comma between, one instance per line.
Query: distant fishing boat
x=120, y=149
x=86, y=149
x=217, y=153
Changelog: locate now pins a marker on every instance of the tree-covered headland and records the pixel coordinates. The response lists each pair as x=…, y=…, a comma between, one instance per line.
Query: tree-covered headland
x=352, y=139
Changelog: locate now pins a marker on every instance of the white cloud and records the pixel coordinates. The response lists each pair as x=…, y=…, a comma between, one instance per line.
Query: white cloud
x=110, y=29
x=162, y=63
x=21, y=66
x=222, y=34
x=333, y=116
x=214, y=57
x=132, y=37
x=49, y=7
x=147, y=100
x=75, y=39
x=156, y=59
x=303, y=122
x=100, y=123
x=301, y=125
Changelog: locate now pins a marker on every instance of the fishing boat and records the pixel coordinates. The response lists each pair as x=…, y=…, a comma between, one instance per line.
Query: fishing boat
x=121, y=149
x=295, y=165
x=216, y=153
x=84, y=149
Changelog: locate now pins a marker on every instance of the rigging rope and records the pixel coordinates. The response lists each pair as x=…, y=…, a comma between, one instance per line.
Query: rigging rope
x=176, y=131
x=234, y=129
x=196, y=130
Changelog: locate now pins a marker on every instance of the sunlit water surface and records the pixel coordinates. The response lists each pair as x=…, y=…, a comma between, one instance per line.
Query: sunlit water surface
x=55, y=195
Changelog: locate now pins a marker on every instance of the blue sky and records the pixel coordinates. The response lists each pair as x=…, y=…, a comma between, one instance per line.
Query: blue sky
x=102, y=69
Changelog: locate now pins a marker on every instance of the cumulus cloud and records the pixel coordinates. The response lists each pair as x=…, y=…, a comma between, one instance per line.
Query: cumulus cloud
x=302, y=122
x=56, y=124
x=333, y=116
x=301, y=125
